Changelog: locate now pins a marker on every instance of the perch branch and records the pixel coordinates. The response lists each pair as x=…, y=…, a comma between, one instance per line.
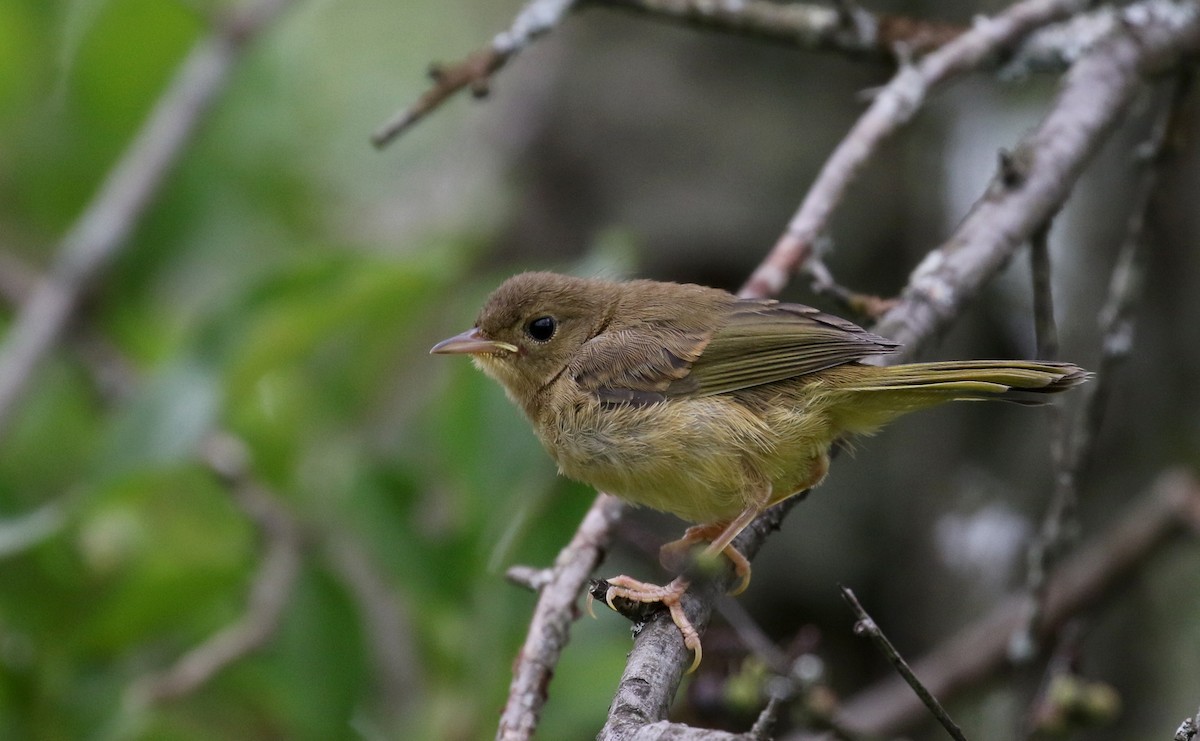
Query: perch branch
x=103, y=229
x=557, y=607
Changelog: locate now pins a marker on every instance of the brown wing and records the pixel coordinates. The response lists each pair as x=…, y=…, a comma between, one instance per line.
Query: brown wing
x=637, y=366
x=757, y=342
x=765, y=341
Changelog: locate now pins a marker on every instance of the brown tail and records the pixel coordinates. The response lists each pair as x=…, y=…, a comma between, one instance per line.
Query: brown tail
x=881, y=394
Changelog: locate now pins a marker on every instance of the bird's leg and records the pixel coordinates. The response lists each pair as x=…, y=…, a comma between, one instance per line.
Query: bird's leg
x=624, y=587
x=673, y=555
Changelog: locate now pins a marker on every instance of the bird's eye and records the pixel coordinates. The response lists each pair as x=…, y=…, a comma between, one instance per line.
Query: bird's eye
x=542, y=328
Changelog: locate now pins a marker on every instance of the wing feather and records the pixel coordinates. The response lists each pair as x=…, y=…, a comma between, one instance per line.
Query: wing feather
x=755, y=342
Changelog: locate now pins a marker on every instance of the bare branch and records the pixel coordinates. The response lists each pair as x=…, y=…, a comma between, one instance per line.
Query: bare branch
x=1091, y=100
x=105, y=225
x=537, y=18
x=810, y=26
x=980, y=650
x=894, y=106
x=556, y=609
x=867, y=626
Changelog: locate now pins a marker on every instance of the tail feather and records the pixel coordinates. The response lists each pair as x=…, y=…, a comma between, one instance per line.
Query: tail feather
x=882, y=394
x=979, y=378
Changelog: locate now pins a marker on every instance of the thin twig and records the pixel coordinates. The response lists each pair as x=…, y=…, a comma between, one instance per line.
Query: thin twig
x=1091, y=573
x=859, y=304
x=868, y=627
x=536, y=18
x=556, y=609
x=103, y=229
x=812, y=26
x=1046, y=329
x=894, y=106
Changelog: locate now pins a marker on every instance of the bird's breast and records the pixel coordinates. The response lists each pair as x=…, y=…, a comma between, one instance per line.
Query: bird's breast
x=698, y=458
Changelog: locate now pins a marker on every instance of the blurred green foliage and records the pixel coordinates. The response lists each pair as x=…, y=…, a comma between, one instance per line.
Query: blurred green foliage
x=267, y=293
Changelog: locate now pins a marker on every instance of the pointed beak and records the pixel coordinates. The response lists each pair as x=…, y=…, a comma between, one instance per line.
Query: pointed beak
x=471, y=342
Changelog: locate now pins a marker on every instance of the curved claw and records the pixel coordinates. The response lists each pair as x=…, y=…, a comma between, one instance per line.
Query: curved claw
x=743, y=583
x=697, y=654
x=608, y=597
x=589, y=608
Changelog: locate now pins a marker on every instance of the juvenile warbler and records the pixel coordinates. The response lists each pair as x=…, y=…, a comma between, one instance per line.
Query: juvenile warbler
x=696, y=402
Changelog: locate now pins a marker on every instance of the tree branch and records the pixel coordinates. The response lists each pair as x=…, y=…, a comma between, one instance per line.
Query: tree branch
x=537, y=18
x=558, y=594
x=1046, y=164
x=894, y=106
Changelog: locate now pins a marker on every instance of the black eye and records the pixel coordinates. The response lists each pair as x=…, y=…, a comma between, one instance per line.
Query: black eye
x=542, y=328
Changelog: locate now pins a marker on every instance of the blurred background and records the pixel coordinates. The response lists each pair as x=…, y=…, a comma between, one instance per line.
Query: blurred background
x=288, y=279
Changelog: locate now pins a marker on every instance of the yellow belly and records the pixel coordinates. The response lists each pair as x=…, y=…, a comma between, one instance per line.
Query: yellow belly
x=703, y=459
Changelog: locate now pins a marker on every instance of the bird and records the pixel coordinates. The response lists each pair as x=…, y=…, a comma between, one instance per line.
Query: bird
x=712, y=407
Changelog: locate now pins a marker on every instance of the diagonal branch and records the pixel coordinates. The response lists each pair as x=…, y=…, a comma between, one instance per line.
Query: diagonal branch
x=558, y=590
x=1043, y=169
x=537, y=18
x=103, y=229
x=867, y=626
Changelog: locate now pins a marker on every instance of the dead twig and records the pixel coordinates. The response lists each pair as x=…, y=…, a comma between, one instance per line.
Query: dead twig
x=538, y=17
x=868, y=627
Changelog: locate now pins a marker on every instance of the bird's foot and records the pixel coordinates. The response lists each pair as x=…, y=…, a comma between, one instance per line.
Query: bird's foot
x=670, y=596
